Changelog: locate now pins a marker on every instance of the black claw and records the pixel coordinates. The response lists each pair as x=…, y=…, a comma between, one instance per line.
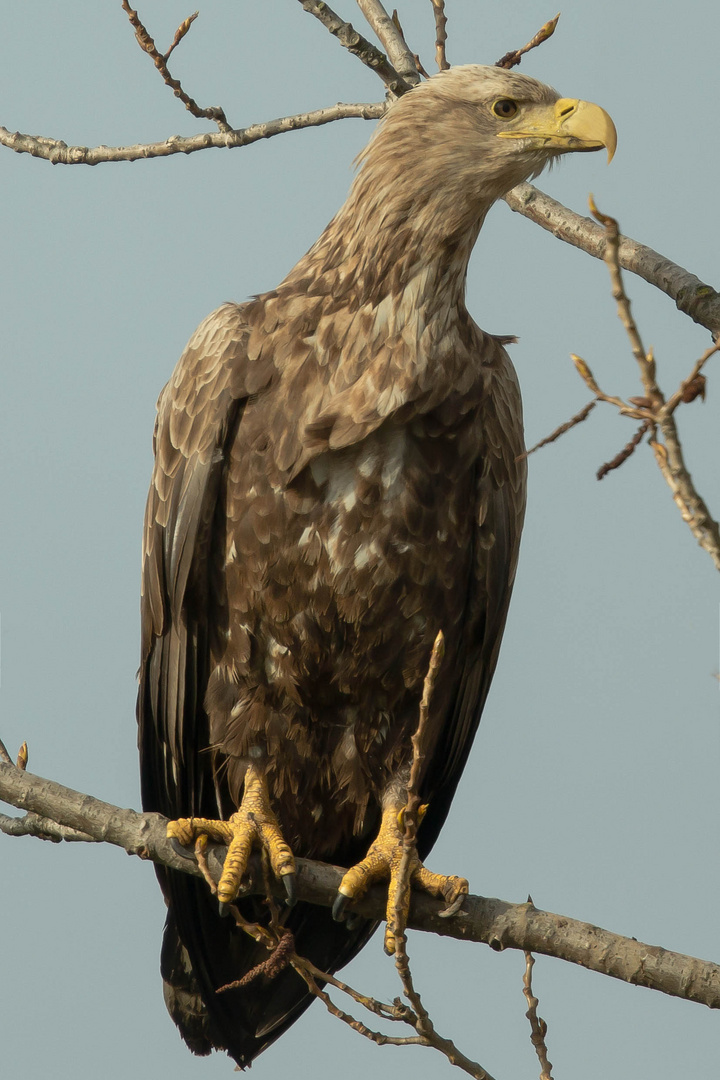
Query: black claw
x=180, y=849
x=289, y=883
x=338, y=908
x=223, y=908
x=353, y=920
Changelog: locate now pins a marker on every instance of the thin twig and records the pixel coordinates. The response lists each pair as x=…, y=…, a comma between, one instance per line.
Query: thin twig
x=538, y=1027
x=692, y=507
x=399, y=53
x=683, y=393
x=668, y=454
x=147, y=44
x=357, y=1025
x=421, y=1021
x=59, y=153
x=637, y=412
x=577, y=419
x=644, y=358
x=396, y=1012
x=201, y=843
x=180, y=34
x=625, y=453
x=510, y=59
x=440, y=34
x=359, y=46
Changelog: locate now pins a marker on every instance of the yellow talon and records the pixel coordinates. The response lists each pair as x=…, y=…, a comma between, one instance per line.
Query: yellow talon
x=253, y=824
x=383, y=861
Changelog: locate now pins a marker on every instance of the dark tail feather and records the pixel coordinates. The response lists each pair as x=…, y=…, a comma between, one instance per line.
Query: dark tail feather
x=202, y=952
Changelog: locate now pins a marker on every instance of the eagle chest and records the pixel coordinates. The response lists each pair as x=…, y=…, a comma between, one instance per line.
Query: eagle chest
x=336, y=587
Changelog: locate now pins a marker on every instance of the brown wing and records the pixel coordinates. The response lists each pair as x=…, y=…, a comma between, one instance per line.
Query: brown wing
x=197, y=413
x=183, y=611
x=499, y=511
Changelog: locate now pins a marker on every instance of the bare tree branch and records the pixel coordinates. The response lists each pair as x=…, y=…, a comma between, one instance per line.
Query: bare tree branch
x=59, y=153
x=421, y=1020
x=440, y=34
x=627, y=451
x=693, y=297
x=359, y=46
x=44, y=829
x=494, y=922
x=392, y=40
x=511, y=59
x=180, y=33
x=657, y=412
x=146, y=43
x=571, y=423
x=538, y=1027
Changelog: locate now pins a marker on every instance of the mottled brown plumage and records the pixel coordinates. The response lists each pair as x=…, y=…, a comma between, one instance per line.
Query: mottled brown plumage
x=337, y=477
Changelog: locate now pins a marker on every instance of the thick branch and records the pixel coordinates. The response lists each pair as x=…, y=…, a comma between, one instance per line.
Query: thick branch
x=692, y=296
x=359, y=46
x=494, y=922
x=392, y=40
x=59, y=153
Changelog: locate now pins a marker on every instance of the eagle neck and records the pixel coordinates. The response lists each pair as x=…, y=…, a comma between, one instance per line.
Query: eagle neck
x=370, y=254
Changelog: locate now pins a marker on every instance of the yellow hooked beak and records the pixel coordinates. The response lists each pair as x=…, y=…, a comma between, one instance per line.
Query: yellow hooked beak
x=568, y=125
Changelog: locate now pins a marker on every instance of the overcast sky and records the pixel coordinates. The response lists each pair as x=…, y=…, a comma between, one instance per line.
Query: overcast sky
x=593, y=781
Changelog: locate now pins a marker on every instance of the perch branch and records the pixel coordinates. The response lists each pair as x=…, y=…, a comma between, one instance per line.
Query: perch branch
x=494, y=922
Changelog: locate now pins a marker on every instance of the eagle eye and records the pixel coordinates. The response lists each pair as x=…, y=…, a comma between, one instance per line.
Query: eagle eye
x=505, y=108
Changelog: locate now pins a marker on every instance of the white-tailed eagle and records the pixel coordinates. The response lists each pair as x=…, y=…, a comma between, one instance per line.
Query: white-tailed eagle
x=338, y=476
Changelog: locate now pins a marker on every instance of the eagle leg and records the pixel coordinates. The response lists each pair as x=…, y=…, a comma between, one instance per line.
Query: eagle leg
x=383, y=862
x=253, y=824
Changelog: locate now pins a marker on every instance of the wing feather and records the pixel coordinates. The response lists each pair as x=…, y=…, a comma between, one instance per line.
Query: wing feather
x=198, y=412
x=499, y=511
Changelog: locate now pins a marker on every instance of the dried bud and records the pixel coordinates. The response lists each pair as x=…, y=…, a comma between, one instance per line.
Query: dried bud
x=695, y=388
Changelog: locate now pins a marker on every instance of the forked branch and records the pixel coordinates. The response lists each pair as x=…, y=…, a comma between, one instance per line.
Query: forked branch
x=146, y=43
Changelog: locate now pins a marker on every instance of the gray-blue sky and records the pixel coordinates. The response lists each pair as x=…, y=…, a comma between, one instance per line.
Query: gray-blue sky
x=593, y=781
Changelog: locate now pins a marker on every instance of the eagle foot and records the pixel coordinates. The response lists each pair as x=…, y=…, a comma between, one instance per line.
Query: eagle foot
x=253, y=824
x=383, y=862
